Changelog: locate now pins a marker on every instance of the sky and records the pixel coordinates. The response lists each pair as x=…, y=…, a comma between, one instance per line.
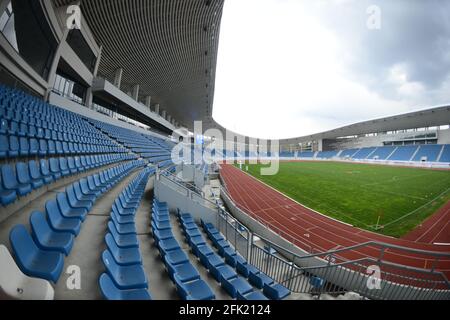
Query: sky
x=289, y=68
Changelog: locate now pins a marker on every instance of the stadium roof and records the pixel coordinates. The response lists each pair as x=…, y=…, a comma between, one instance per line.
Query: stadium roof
x=168, y=47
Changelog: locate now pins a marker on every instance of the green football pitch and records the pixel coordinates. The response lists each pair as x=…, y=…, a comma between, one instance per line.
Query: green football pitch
x=386, y=199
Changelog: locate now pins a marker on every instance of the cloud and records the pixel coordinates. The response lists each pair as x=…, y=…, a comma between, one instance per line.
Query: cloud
x=291, y=68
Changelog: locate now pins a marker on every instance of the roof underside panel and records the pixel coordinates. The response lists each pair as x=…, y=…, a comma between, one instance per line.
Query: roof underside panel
x=168, y=47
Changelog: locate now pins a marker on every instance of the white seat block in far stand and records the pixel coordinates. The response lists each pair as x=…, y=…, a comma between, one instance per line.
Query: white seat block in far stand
x=16, y=285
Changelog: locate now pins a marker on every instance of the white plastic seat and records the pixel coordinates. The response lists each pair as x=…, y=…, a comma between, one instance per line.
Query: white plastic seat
x=16, y=285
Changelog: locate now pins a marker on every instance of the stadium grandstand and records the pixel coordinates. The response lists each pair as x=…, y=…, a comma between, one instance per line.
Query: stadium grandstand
x=108, y=192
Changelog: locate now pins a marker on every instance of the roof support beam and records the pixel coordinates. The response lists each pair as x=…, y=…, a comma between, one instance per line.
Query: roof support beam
x=157, y=108
x=135, y=92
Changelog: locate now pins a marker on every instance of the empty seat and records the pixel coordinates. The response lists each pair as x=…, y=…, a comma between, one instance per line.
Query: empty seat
x=123, y=240
x=194, y=290
x=33, y=261
x=24, y=149
x=222, y=272
x=10, y=181
x=254, y=295
x=63, y=166
x=6, y=196
x=124, y=277
x=58, y=222
x=34, y=147
x=71, y=164
x=67, y=211
x=54, y=168
x=23, y=174
x=176, y=257
x=111, y=292
x=45, y=171
x=13, y=147
x=244, y=268
x=276, y=291
x=185, y=272
x=36, y=179
x=4, y=146
x=236, y=285
x=43, y=147
x=123, y=228
x=73, y=200
x=122, y=256
x=51, y=147
x=46, y=238
x=16, y=285
x=259, y=279
x=168, y=245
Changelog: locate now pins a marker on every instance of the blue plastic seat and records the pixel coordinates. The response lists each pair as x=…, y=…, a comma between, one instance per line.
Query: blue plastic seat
x=86, y=190
x=36, y=178
x=203, y=252
x=259, y=279
x=58, y=222
x=63, y=166
x=214, y=261
x=13, y=128
x=168, y=245
x=54, y=168
x=67, y=211
x=23, y=130
x=196, y=241
x=6, y=196
x=33, y=261
x=3, y=126
x=45, y=171
x=122, y=256
x=236, y=285
x=24, y=149
x=222, y=271
x=254, y=295
x=71, y=164
x=176, y=257
x=125, y=277
x=34, y=147
x=123, y=228
x=13, y=147
x=185, y=272
x=162, y=234
x=244, y=268
x=4, y=146
x=123, y=241
x=23, y=174
x=58, y=147
x=161, y=225
x=32, y=131
x=73, y=200
x=43, y=147
x=51, y=147
x=111, y=292
x=46, y=238
x=232, y=258
x=120, y=218
x=81, y=196
x=276, y=291
x=10, y=181
x=194, y=290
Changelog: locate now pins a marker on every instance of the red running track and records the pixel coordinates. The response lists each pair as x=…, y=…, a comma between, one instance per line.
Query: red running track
x=315, y=232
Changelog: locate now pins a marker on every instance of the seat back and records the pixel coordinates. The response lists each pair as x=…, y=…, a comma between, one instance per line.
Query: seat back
x=108, y=288
x=111, y=244
x=23, y=246
x=51, y=147
x=71, y=197
x=84, y=186
x=4, y=145
x=24, y=146
x=110, y=263
x=39, y=225
x=23, y=175
x=54, y=165
x=53, y=212
x=43, y=163
x=13, y=143
x=8, y=178
x=34, y=170
x=63, y=203
x=63, y=164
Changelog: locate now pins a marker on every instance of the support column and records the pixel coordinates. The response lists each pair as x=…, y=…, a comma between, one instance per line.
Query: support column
x=148, y=102
x=169, y=118
x=163, y=114
x=118, y=77
x=135, y=92
x=157, y=108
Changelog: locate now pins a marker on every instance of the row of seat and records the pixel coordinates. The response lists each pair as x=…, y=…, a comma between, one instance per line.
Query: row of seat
x=41, y=254
x=236, y=286
x=125, y=278
x=13, y=147
x=185, y=276
x=22, y=178
x=260, y=280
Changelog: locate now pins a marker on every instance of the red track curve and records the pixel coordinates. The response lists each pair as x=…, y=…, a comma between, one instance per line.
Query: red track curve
x=315, y=232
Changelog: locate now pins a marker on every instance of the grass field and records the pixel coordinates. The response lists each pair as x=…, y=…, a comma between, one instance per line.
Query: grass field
x=359, y=194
